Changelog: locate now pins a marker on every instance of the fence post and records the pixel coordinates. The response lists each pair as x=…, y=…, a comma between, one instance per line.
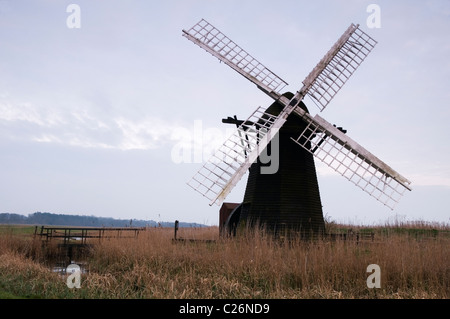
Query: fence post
x=176, y=229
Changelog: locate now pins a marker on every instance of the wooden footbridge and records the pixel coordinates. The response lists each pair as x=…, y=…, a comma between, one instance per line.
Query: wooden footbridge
x=81, y=235
x=75, y=241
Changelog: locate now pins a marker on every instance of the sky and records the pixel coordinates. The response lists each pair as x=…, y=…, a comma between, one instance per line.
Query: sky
x=106, y=110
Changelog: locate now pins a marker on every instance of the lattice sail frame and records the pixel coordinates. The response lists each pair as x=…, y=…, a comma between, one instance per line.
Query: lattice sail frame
x=351, y=160
x=336, y=67
x=216, y=179
x=219, y=45
x=218, y=176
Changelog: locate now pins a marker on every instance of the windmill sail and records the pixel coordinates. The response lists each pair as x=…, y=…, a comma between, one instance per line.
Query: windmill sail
x=336, y=67
x=219, y=45
x=351, y=160
x=223, y=171
x=217, y=177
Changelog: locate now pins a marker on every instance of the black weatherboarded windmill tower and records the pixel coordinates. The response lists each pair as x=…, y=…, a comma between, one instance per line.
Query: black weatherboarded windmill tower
x=277, y=145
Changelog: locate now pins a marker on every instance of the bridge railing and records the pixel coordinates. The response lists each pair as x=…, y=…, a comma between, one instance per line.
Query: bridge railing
x=82, y=234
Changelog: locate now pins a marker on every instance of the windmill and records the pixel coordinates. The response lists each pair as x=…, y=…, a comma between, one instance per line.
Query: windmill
x=287, y=198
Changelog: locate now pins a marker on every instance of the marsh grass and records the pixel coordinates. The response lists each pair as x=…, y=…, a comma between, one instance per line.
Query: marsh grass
x=254, y=265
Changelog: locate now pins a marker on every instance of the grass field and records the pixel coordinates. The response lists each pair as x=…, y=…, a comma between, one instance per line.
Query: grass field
x=414, y=261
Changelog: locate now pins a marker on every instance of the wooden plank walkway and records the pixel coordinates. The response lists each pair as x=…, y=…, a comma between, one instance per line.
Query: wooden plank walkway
x=80, y=235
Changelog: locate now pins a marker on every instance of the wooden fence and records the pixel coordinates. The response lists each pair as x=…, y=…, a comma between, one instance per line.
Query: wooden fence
x=80, y=235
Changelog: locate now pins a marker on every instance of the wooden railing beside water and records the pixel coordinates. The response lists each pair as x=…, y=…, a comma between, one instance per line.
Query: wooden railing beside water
x=80, y=235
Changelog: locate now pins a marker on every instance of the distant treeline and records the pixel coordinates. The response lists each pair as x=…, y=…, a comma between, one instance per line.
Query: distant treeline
x=39, y=218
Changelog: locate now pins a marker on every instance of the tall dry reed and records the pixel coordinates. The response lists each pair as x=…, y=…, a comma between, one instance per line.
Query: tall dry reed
x=254, y=265
x=257, y=266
